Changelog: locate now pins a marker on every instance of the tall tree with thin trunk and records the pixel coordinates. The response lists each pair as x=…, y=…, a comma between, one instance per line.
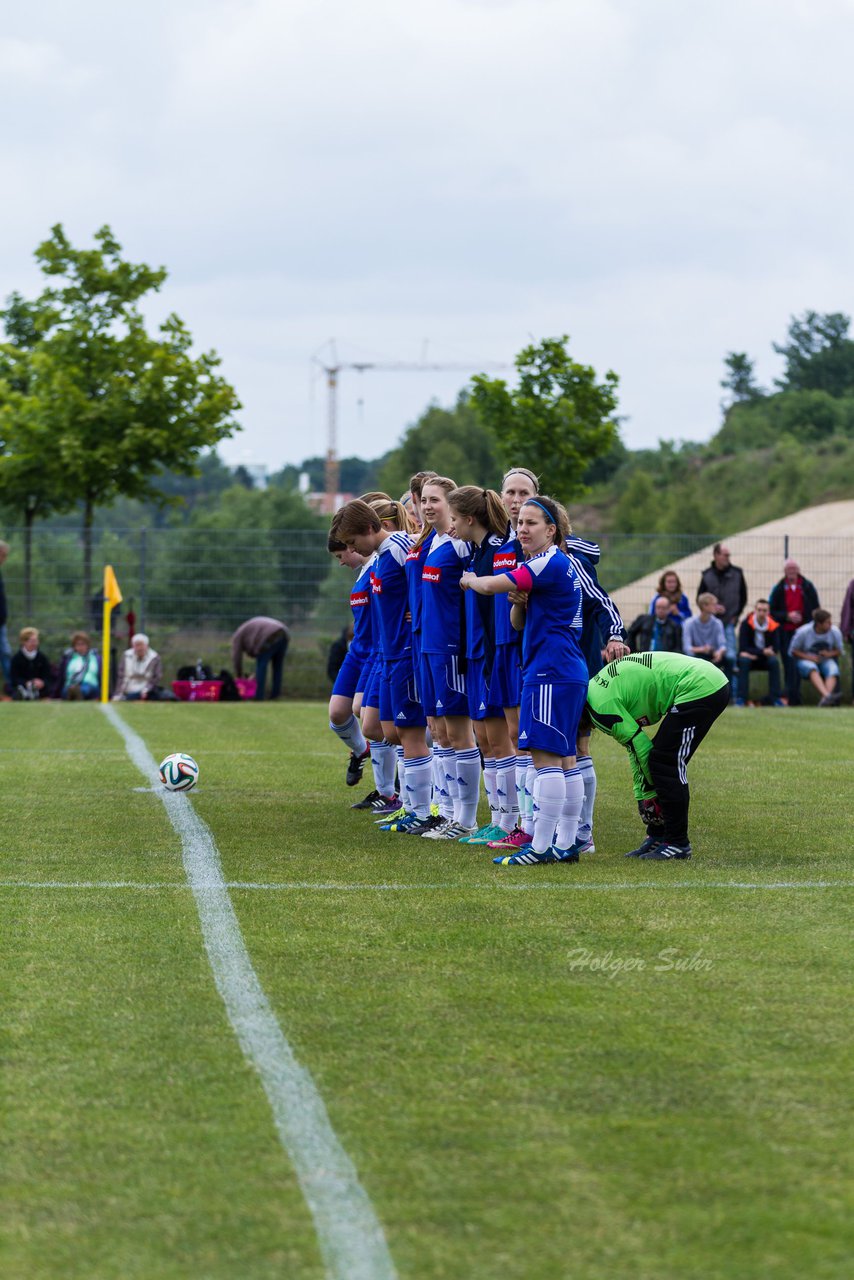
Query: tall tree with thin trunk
x=119, y=405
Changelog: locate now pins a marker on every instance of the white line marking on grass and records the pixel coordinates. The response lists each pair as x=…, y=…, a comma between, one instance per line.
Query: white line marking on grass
x=300, y=885
x=350, y=1236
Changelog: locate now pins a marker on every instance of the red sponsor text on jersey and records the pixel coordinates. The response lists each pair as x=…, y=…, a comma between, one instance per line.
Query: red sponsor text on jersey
x=376, y=585
x=358, y=599
x=432, y=573
x=416, y=554
x=507, y=560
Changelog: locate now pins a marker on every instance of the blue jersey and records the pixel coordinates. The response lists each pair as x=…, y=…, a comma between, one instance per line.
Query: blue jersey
x=389, y=596
x=360, y=602
x=442, y=600
x=480, y=610
x=506, y=558
x=601, y=620
x=551, y=647
x=414, y=566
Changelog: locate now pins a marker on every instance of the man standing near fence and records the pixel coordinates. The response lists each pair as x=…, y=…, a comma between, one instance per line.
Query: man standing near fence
x=5, y=651
x=725, y=581
x=266, y=640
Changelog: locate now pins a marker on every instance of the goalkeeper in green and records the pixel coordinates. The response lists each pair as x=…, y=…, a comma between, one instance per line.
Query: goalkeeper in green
x=687, y=695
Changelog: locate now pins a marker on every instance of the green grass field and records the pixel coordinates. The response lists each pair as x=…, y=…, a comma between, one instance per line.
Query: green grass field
x=526, y=1085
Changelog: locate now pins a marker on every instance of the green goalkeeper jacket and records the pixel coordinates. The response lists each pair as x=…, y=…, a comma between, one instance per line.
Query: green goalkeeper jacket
x=639, y=690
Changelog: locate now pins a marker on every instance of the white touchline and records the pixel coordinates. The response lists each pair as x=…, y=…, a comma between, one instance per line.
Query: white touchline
x=350, y=1236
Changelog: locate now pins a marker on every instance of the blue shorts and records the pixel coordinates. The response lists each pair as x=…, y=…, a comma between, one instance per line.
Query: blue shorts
x=505, y=681
x=480, y=708
x=349, y=676
x=443, y=687
x=372, y=681
x=398, y=701
x=826, y=667
x=549, y=715
x=416, y=662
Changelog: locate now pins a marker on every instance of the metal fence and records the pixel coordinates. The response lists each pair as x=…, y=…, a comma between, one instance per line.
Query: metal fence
x=182, y=583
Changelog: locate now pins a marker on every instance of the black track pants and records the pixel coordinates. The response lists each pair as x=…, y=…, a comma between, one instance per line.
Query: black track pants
x=682, y=730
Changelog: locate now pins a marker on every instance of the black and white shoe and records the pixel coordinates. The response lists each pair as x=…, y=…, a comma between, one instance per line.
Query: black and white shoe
x=368, y=802
x=650, y=843
x=356, y=767
x=665, y=851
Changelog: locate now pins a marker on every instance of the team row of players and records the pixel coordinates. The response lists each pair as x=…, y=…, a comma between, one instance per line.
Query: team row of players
x=482, y=622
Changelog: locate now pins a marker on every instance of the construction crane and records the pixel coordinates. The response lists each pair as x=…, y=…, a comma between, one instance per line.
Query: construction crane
x=332, y=467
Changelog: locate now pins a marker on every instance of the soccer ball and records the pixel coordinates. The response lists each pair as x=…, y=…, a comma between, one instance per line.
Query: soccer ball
x=179, y=772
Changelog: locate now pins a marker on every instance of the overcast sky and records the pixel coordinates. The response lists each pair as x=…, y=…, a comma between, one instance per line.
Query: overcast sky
x=663, y=180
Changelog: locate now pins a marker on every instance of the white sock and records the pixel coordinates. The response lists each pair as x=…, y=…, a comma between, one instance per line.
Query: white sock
x=549, y=798
x=508, y=809
x=490, y=782
x=527, y=818
x=588, y=777
x=438, y=775
x=468, y=784
x=418, y=776
x=567, y=828
x=383, y=761
x=351, y=734
x=398, y=751
x=522, y=763
x=448, y=762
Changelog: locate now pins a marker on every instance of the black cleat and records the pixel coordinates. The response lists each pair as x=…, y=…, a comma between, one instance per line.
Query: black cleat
x=667, y=852
x=368, y=802
x=356, y=767
x=650, y=843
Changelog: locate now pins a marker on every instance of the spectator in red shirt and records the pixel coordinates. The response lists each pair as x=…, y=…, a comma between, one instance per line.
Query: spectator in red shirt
x=792, y=602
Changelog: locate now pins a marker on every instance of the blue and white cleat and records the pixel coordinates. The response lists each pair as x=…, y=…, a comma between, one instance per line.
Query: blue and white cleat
x=528, y=857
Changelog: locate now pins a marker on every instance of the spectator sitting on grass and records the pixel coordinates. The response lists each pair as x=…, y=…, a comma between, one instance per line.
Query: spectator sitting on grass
x=703, y=636
x=815, y=648
x=30, y=672
x=140, y=672
x=80, y=671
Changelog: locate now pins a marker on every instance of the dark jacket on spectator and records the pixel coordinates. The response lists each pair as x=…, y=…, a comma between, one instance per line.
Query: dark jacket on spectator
x=846, y=621
x=777, y=603
x=641, y=633
x=729, y=589
x=747, y=637
x=4, y=615
x=25, y=669
x=254, y=637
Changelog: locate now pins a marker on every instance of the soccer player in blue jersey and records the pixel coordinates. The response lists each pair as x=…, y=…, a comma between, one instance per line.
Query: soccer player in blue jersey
x=505, y=680
x=347, y=691
x=554, y=676
x=363, y=528
x=481, y=520
x=442, y=683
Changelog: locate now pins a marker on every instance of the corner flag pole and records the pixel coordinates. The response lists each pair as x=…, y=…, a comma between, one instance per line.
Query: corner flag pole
x=112, y=597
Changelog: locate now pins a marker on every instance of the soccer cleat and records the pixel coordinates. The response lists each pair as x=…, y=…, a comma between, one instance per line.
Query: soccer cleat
x=434, y=810
x=449, y=830
x=412, y=825
x=356, y=767
x=528, y=857
x=584, y=845
x=398, y=822
x=429, y=824
x=368, y=801
x=665, y=851
x=567, y=855
x=386, y=807
x=484, y=835
x=517, y=839
x=650, y=843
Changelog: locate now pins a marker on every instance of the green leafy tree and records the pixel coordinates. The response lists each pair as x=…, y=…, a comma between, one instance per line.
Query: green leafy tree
x=453, y=442
x=819, y=355
x=558, y=420
x=119, y=405
x=638, y=509
x=740, y=381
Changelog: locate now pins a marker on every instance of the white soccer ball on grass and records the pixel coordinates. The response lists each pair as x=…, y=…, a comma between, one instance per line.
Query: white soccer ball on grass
x=179, y=772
